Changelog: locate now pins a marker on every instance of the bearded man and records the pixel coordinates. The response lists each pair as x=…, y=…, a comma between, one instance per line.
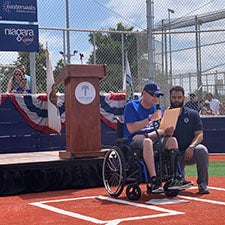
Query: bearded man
x=189, y=135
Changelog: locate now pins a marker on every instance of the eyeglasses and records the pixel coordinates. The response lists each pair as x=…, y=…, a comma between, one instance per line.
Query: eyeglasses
x=153, y=94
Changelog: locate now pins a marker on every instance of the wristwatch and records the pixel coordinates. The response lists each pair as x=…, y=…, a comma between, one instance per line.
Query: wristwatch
x=192, y=147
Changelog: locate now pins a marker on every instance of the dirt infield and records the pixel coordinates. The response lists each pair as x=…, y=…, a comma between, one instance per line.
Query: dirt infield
x=95, y=206
x=216, y=157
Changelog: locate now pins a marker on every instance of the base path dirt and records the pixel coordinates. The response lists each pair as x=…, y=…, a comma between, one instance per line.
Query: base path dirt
x=95, y=206
x=217, y=157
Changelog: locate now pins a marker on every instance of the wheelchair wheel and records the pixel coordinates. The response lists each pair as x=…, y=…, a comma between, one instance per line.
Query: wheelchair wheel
x=113, y=171
x=170, y=193
x=133, y=192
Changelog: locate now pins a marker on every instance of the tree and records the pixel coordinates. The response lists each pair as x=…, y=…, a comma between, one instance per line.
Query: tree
x=108, y=51
x=6, y=73
x=58, y=69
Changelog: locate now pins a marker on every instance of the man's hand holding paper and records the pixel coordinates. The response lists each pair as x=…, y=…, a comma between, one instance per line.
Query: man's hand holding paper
x=169, y=120
x=169, y=131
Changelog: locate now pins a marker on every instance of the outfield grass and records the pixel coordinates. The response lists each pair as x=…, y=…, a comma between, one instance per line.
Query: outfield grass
x=216, y=169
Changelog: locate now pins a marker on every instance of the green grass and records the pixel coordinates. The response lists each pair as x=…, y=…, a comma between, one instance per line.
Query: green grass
x=216, y=169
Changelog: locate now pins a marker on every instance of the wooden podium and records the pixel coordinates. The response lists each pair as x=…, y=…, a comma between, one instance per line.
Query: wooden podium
x=82, y=108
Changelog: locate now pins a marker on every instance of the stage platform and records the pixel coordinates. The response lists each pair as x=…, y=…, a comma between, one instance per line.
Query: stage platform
x=44, y=171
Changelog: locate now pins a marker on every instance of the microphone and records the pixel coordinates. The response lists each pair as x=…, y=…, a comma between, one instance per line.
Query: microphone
x=157, y=123
x=158, y=107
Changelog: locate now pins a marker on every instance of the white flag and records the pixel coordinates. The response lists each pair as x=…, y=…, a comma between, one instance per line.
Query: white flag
x=54, y=121
x=127, y=80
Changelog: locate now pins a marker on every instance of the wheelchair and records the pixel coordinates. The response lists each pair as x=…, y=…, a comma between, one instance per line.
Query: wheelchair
x=123, y=165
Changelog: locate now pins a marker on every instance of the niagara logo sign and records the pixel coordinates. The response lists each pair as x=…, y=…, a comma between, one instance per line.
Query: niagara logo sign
x=22, y=35
x=17, y=37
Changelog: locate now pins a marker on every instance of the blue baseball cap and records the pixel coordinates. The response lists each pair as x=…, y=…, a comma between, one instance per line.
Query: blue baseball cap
x=153, y=88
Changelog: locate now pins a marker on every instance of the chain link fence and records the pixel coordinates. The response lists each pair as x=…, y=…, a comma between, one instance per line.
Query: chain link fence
x=191, y=55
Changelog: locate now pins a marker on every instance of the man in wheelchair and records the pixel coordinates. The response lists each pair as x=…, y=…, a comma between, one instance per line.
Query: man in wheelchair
x=140, y=119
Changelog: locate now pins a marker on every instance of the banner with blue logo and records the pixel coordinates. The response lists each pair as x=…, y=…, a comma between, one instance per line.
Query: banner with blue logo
x=17, y=10
x=19, y=37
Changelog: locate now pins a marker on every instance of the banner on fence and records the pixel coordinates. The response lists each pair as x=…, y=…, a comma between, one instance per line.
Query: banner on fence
x=17, y=10
x=19, y=37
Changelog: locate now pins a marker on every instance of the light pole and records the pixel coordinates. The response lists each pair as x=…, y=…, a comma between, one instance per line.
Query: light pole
x=68, y=32
x=150, y=25
x=170, y=71
x=162, y=47
x=198, y=23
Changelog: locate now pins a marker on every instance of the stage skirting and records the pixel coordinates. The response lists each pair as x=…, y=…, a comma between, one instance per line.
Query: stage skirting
x=24, y=120
x=31, y=177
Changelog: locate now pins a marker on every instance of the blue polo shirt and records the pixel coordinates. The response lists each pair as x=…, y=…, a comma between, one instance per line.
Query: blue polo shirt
x=134, y=112
x=188, y=122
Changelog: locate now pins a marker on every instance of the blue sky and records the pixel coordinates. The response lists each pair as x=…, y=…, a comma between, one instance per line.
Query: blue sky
x=105, y=14
x=86, y=14
x=97, y=14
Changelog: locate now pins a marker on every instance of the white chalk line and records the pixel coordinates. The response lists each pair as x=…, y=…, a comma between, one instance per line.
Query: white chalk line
x=164, y=212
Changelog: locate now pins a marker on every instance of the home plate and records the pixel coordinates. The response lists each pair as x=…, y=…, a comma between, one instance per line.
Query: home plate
x=165, y=201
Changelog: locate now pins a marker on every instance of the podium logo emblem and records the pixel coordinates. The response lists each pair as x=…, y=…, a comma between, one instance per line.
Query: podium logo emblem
x=85, y=93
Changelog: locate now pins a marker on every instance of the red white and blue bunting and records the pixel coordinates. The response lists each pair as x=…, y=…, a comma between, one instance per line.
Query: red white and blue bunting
x=34, y=108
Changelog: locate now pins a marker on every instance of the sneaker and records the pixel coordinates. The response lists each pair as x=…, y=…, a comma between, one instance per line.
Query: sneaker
x=203, y=189
x=180, y=184
x=156, y=186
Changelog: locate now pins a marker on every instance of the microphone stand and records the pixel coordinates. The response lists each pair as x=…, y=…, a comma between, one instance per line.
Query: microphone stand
x=156, y=125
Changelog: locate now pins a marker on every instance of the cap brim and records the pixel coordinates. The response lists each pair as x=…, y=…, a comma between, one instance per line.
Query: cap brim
x=156, y=92
x=159, y=93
